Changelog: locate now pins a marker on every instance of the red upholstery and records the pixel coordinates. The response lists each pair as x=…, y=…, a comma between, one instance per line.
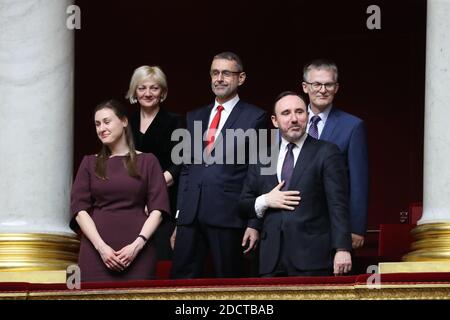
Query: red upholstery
x=415, y=212
x=394, y=241
x=399, y=278
x=163, y=269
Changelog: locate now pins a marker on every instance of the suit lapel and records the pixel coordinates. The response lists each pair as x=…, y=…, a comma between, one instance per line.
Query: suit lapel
x=234, y=115
x=303, y=161
x=273, y=180
x=330, y=125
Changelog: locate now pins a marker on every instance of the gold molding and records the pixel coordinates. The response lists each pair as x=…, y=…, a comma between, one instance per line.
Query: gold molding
x=318, y=292
x=413, y=267
x=47, y=276
x=432, y=243
x=37, y=251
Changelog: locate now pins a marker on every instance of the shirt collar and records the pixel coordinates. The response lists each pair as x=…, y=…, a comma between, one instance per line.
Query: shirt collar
x=229, y=105
x=323, y=115
x=298, y=143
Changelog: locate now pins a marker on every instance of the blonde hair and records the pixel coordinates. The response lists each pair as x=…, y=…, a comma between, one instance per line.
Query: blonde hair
x=142, y=74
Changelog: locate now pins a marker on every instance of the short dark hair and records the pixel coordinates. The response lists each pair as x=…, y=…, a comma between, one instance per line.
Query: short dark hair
x=320, y=64
x=285, y=94
x=228, y=55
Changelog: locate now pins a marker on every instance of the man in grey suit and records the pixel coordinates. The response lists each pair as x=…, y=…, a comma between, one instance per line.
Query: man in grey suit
x=304, y=206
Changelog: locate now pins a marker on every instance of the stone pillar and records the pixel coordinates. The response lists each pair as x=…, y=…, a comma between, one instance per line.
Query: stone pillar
x=36, y=137
x=433, y=231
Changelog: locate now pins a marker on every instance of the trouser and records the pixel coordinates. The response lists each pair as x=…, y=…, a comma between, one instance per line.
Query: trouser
x=284, y=267
x=192, y=244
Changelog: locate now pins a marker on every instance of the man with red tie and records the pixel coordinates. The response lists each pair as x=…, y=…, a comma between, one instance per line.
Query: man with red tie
x=208, y=219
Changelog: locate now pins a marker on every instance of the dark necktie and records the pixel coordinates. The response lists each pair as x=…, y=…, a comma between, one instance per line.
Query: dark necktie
x=313, y=130
x=212, y=129
x=288, y=166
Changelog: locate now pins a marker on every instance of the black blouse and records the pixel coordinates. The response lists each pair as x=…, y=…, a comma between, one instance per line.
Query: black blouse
x=157, y=138
x=157, y=141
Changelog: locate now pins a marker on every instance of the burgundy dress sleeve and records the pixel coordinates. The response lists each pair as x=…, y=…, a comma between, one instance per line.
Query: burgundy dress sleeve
x=80, y=198
x=157, y=195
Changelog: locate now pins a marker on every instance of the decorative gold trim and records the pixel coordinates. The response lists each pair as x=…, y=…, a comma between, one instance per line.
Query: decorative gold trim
x=13, y=296
x=37, y=251
x=441, y=243
x=350, y=292
x=47, y=276
x=432, y=243
x=429, y=229
x=412, y=267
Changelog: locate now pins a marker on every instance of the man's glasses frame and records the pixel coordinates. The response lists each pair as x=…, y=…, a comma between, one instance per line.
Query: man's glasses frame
x=316, y=86
x=225, y=73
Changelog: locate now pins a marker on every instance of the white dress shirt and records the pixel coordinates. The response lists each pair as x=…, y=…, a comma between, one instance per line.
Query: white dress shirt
x=261, y=203
x=323, y=119
x=227, y=108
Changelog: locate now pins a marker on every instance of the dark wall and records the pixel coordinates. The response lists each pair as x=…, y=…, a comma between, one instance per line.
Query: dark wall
x=382, y=72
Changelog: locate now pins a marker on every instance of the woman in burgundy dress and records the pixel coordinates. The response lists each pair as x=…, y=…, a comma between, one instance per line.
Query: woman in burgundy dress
x=108, y=202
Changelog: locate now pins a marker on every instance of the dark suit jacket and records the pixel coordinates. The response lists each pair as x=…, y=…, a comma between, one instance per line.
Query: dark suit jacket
x=157, y=140
x=350, y=135
x=213, y=190
x=319, y=224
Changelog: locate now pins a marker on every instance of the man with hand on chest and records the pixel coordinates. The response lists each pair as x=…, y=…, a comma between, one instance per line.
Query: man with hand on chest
x=304, y=205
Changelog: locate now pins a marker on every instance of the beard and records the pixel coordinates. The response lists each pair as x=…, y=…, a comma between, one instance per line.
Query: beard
x=293, y=136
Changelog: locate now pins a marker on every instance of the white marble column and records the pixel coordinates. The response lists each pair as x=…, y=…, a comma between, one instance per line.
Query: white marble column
x=36, y=117
x=436, y=192
x=430, y=251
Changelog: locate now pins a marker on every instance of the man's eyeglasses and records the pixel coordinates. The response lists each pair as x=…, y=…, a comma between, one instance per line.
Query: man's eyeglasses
x=225, y=73
x=316, y=86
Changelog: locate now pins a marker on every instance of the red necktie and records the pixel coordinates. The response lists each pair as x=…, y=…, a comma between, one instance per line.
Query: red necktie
x=212, y=129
